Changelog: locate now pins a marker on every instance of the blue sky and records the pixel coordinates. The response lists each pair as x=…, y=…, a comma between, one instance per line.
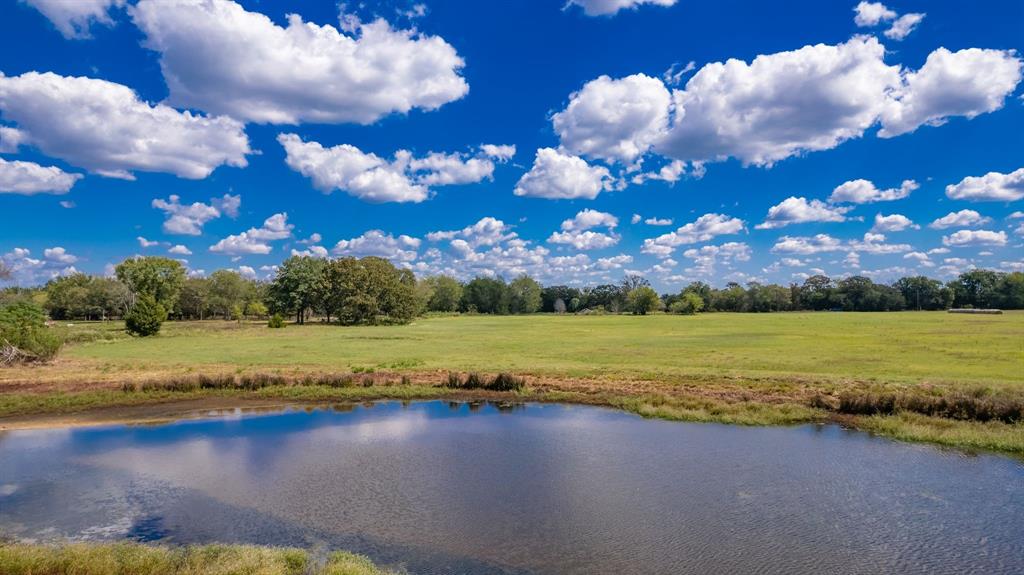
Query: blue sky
x=771, y=135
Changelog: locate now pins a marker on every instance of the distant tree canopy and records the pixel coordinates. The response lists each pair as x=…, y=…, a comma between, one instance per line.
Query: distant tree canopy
x=161, y=278
x=372, y=290
x=298, y=287
x=353, y=291
x=642, y=300
x=84, y=297
x=486, y=295
x=445, y=293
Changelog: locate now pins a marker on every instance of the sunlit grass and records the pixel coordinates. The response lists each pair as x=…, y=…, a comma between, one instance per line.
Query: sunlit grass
x=910, y=346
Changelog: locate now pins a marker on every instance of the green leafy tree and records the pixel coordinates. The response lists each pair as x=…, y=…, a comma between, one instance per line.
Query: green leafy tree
x=486, y=295
x=701, y=290
x=237, y=312
x=255, y=309
x=524, y=295
x=923, y=293
x=445, y=295
x=81, y=296
x=24, y=335
x=194, y=301
x=158, y=277
x=976, y=288
x=643, y=300
x=767, y=298
x=688, y=303
x=146, y=316
x=552, y=294
x=817, y=293
x=296, y=288
x=276, y=321
x=1011, y=291
x=608, y=296
x=733, y=298
x=228, y=289
x=367, y=291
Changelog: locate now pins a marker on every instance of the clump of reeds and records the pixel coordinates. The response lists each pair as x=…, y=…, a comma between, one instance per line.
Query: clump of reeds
x=500, y=382
x=974, y=405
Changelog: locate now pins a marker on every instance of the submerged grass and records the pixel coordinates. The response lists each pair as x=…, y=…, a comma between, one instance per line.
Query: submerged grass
x=139, y=559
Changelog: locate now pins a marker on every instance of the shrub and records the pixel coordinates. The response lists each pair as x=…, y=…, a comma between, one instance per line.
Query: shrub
x=453, y=381
x=255, y=309
x=506, y=382
x=145, y=317
x=24, y=336
x=276, y=321
x=473, y=381
x=976, y=405
x=688, y=304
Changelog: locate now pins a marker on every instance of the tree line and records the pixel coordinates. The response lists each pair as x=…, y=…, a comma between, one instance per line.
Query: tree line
x=371, y=290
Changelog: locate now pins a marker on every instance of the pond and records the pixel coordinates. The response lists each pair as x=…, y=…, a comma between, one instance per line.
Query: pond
x=438, y=487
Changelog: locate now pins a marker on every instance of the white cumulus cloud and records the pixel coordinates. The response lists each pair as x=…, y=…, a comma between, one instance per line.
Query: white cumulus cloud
x=189, y=219
x=893, y=223
x=556, y=175
x=256, y=240
x=804, y=245
x=221, y=58
x=798, y=210
x=965, y=83
x=18, y=177
x=783, y=104
x=610, y=7
x=992, y=187
x=961, y=219
x=903, y=26
x=966, y=238
x=371, y=178
x=74, y=18
x=105, y=128
x=614, y=119
x=869, y=14
x=377, y=243
x=864, y=192
x=702, y=229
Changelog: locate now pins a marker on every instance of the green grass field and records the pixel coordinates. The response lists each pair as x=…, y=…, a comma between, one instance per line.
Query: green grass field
x=888, y=347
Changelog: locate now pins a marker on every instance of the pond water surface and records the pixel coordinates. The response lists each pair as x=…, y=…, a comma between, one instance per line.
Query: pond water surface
x=433, y=487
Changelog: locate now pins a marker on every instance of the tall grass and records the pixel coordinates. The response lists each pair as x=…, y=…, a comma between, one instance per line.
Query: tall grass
x=977, y=404
x=500, y=382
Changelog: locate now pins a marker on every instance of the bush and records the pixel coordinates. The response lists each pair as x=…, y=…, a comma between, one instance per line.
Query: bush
x=688, y=304
x=146, y=317
x=972, y=405
x=256, y=309
x=24, y=336
x=276, y=321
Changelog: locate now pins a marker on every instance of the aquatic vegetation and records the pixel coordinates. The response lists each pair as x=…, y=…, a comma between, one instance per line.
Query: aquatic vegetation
x=140, y=559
